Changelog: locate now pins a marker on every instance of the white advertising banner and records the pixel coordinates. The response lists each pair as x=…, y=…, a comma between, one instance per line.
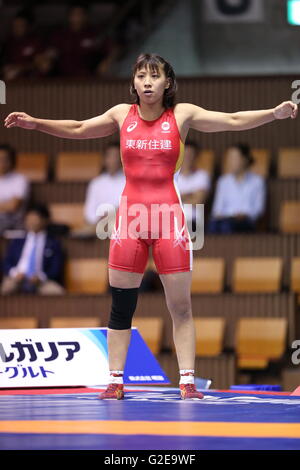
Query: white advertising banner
x=46, y=357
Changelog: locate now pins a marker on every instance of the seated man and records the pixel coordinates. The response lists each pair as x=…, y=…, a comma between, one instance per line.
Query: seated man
x=105, y=188
x=34, y=263
x=21, y=47
x=193, y=183
x=240, y=195
x=14, y=189
x=76, y=50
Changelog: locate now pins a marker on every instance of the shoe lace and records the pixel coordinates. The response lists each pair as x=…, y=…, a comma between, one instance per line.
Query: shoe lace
x=190, y=387
x=112, y=387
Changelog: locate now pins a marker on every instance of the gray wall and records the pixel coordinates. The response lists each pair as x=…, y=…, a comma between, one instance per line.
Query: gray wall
x=197, y=48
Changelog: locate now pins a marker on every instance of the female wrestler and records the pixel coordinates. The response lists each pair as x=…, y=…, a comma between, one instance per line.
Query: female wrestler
x=152, y=134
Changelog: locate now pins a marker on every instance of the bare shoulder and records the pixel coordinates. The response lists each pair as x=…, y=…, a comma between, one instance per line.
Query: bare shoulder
x=185, y=109
x=119, y=112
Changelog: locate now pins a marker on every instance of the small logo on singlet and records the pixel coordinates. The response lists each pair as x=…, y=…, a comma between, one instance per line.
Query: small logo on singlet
x=132, y=126
x=165, y=127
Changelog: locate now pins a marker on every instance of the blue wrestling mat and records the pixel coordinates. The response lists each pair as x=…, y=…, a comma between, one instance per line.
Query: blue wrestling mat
x=154, y=418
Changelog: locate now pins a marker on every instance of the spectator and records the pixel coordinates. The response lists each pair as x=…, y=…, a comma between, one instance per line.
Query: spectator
x=14, y=189
x=21, y=48
x=193, y=183
x=240, y=194
x=76, y=50
x=107, y=187
x=34, y=263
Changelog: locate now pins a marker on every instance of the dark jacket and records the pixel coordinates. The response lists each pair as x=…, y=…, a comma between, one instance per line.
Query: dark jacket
x=53, y=259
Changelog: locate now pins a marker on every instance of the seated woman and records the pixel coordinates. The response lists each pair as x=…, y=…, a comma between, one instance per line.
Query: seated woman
x=240, y=194
x=14, y=189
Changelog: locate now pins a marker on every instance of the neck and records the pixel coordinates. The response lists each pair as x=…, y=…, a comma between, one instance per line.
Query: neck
x=185, y=171
x=112, y=172
x=150, y=111
x=240, y=175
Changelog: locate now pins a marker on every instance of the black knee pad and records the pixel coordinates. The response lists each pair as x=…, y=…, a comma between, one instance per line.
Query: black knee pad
x=123, y=307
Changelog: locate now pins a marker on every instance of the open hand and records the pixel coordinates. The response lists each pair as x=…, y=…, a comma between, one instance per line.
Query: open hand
x=285, y=110
x=18, y=119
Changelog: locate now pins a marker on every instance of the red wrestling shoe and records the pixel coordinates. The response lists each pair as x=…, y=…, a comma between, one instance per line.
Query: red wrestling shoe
x=113, y=392
x=189, y=391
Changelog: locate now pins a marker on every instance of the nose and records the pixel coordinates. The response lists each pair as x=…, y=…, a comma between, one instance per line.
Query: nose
x=147, y=81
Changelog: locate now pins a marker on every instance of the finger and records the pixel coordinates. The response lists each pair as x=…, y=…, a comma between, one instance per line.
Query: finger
x=12, y=116
x=10, y=121
x=15, y=114
x=295, y=111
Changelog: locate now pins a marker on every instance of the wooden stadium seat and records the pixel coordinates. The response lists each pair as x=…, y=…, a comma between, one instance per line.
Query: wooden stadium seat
x=18, y=323
x=150, y=329
x=295, y=275
x=34, y=165
x=262, y=162
x=259, y=340
x=78, y=166
x=289, y=220
x=205, y=160
x=71, y=214
x=75, y=322
x=261, y=166
x=87, y=276
x=257, y=274
x=209, y=335
x=208, y=275
x=288, y=165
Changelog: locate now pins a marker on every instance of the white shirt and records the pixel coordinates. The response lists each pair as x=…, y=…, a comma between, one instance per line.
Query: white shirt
x=233, y=196
x=104, y=189
x=13, y=185
x=195, y=181
x=31, y=238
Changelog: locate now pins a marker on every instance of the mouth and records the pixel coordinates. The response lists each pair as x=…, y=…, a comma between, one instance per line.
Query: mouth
x=148, y=92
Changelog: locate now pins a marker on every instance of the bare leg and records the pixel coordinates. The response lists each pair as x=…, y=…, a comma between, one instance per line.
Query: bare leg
x=118, y=340
x=177, y=289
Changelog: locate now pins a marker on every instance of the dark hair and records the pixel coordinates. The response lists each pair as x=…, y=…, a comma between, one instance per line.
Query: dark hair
x=26, y=14
x=82, y=5
x=245, y=152
x=192, y=143
x=11, y=153
x=154, y=61
x=40, y=209
x=114, y=143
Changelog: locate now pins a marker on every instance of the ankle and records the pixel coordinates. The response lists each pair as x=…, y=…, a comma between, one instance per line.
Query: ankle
x=116, y=376
x=187, y=376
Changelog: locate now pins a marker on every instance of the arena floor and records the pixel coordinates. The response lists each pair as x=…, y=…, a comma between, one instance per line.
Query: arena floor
x=151, y=418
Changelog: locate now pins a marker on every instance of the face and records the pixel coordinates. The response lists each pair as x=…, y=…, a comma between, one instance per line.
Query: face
x=4, y=162
x=189, y=157
x=34, y=222
x=154, y=81
x=19, y=27
x=235, y=160
x=77, y=18
x=112, y=160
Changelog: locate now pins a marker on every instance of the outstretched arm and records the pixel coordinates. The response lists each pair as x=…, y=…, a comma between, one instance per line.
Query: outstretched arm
x=212, y=121
x=99, y=126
